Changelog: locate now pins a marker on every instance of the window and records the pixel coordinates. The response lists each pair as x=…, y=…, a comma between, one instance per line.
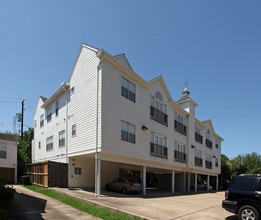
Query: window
x=158, y=110
x=180, y=152
x=42, y=120
x=198, y=158
x=245, y=184
x=62, y=138
x=127, y=132
x=180, y=124
x=208, y=161
x=57, y=108
x=3, y=150
x=217, y=142
x=259, y=186
x=208, y=139
x=49, y=114
x=49, y=143
x=74, y=130
x=216, y=162
x=158, y=146
x=77, y=171
x=72, y=90
x=128, y=89
x=198, y=135
x=39, y=145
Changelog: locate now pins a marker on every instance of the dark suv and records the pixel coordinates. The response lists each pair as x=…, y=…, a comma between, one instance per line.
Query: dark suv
x=243, y=196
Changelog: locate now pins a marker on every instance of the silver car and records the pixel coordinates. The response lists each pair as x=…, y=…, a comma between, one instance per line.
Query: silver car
x=123, y=185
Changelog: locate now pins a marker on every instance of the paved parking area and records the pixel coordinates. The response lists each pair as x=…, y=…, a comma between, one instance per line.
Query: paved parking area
x=165, y=206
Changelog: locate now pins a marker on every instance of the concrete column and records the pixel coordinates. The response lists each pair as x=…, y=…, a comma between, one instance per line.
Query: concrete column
x=144, y=180
x=208, y=184
x=188, y=182
x=173, y=182
x=184, y=180
x=196, y=182
x=97, y=175
x=217, y=183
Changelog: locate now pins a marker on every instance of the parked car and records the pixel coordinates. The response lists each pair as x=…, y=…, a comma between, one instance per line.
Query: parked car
x=203, y=186
x=123, y=185
x=243, y=196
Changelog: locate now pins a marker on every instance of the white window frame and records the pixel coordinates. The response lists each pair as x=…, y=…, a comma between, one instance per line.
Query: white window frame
x=74, y=130
x=3, y=151
x=41, y=120
x=130, y=87
x=49, y=114
x=49, y=143
x=62, y=139
x=129, y=129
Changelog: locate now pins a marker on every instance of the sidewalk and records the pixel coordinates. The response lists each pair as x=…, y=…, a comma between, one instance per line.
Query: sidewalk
x=29, y=205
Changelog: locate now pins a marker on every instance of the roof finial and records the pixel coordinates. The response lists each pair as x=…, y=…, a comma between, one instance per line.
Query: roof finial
x=185, y=91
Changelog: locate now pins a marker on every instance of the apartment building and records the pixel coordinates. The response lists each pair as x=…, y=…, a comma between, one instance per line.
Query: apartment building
x=106, y=121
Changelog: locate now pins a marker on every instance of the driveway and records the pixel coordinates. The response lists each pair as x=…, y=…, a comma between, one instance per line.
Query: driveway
x=29, y=205
x=165, y=206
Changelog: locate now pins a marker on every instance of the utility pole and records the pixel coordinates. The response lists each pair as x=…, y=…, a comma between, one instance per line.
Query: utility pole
x=22, y=124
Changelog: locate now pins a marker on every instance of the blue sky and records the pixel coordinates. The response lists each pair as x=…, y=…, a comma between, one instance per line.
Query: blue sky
x=214, y=45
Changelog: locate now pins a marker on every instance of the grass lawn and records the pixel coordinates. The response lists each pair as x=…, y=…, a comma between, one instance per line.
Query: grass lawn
x=91, y=209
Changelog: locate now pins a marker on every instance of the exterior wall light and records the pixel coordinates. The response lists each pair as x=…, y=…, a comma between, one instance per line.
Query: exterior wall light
x=144, y=128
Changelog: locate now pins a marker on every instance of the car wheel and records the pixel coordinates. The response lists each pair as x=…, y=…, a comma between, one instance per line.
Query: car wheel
x=247, y=212
x=124, y=190
x=107, y=188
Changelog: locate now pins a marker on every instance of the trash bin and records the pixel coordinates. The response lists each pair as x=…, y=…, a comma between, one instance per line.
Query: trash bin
x=25, y=180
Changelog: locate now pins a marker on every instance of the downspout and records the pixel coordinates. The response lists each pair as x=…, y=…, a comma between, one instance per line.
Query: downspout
x=66, y=126
x=188, y=159
x=97, y=159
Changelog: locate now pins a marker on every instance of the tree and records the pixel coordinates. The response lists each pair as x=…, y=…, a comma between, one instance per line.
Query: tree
x=24, y=151
x=246, y=164
x=225, y=175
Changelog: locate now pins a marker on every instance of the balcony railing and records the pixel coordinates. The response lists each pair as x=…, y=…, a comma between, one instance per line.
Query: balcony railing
x=180, y=128
x=209, y=143
x=198, y=161
x=198, y=138
x=179, y=156
x=158, y=116
x=158, y=151
x=208, y=164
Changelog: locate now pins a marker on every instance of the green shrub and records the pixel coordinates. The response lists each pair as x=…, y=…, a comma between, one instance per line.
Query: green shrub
x=6, y=197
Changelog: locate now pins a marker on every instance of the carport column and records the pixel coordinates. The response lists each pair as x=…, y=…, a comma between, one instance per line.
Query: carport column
x=144, y=180
x=208, y=184
x=217, y=183
x=188, y=182
x=196, y=182
x=173, y=182
x=97, y=175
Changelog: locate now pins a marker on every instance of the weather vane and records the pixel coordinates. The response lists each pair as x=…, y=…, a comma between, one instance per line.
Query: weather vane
x=186, y=84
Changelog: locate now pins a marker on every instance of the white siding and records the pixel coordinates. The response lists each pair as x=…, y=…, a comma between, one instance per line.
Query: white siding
x=11, y=156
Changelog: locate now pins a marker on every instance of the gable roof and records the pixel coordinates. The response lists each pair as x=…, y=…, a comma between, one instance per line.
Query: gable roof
x=64, y=86
x=209, y=122
x=123, y=60
x=43, y=98
x=40, y=98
